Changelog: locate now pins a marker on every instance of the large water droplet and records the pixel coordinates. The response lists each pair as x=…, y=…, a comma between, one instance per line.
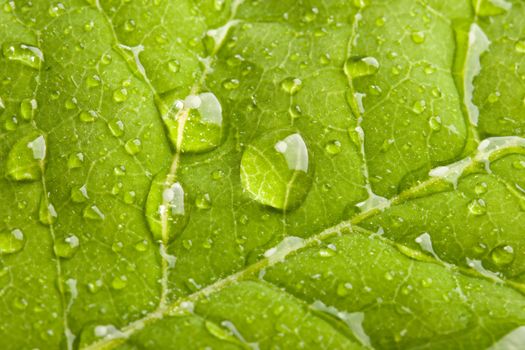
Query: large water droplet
x=167, y=209
x=200, y=116
x=11, y=241
x=26, y=159
x=356, y=67
x=276, y=170
x=28, y=55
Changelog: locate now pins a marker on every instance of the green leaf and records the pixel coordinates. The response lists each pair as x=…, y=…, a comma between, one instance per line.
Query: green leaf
x=253, y=174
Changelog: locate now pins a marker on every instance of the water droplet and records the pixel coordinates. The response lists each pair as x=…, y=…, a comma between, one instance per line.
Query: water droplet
x=520, y=46
x=203, y=201
x=490, y=7
x=79, y=194
x=343, y=289
x=356, y=67
x=66, y=247
x=28, y=108
x=141, y=246
x=75, y=160
x=92, y=212
x=217, y=174
x=333, y=147
x=116, y=126
x=201, y=117
x=11, y=241
x=93, y=81
x=419, y=106
x=494, y=97
x=502, y=255
x=292, y=85
x=71, y=103
x=435, y=123
x=477, y=207
x=481, y=188
x=174, y=66
x=130, y=25
x=275, y=170
x=56, y=9
x=231, y=84
x=119, y=282
x=25, y=161
x=46, y=213
x=418, y=37
x=166, y=206
x=88, y=117
x=326, y=252
x=120, y=95
x=106, y=59
x=133, y=146
x=94, y=287
x=30, y=56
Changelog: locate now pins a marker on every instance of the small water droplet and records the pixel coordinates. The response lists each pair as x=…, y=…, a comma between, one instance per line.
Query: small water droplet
x=130, y=25
x=477, y=207
x=502, y=255
x=79, y=194
x=75, y=160
x=481, y=188
x=88, y=116
x=333, y=147
x=133, y=146
x=116, y=126
x=92, y=212
x=203, y=201
x=292, y=85
x=418, y=37
x=119, y=282
x=47, y=213
x=25, y=161
x=141, y=246
x=520, y=46
x=66, y=247
x=56, y=9
x=201, y=117
x=93, y=81
x=217, y=174
x=435, y=123
x=11, y=241
x=419, y=106
x=276, y=170
x=28, y=55
x=166, y=207
x=231, y=84
x=120, y=95
x=28, y=108
x=356, y=67
x=94, y=287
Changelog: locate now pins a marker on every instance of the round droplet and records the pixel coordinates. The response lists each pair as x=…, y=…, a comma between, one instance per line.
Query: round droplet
x=11, y=241
x=276, y=170
x=217, y=174
x=481, y=188
x=88, y=116
x=231, y=84
x=292, y=85
x=477, y=207
x=333, y=147
x=167, y=209
x=119, y=282
x=120, y=95
x=419, y=106
x=66, y=247
x=56, y=9
x=75, y=160
x=199, y=115
x=435, y=123
x=116, y=126
x=356, y=67
x=93, y=81
x=203, y=201
x=25, y=160
x=418, y=37
x=133, y=146
x=141, y=246
x=502, y=255
x=520, y=46
x=130, y=25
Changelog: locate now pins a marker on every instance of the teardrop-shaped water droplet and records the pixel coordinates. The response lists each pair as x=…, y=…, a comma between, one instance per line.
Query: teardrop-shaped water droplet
x=67, y=247
x=92, y=212
x=11, y=241
x=167, y=209
x=119, y=282
x=79, y=194
x=75, y=160
x=116, y=126
x=520, y=46
x=203, y=201
x=133, y=146
x=477, y=207
x=418, y=37
x=88, y=116
x=28, y=55
x=25, y=161
x=356, y=67
x=28, y=108
x=502, y=255
x=292, y=85
x=47, y=213
x=199, y=115
x=276, y=170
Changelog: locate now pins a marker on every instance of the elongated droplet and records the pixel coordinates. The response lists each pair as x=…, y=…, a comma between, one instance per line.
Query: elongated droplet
x=28, y=55
x=26, y=159
x=356, y=67
x=167, y=208
x=276, y=170
x=46, y=213
x=199, y=115
x=11, y=241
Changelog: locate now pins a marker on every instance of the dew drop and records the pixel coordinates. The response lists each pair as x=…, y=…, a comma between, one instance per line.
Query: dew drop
x=11, y=241
x=356, y=67
x=292, y=85
x=481, y=188
x=502, y=255
x=120, y=95
x=166, y=207
x=231, y=84
x=201, y=117
x=93, y=81
x=75, y=160
x=28, y=108
x=520, y=46
x=275, y=170
x=66, y=247
x=418, y=37
x=419, y=106
x=88, y=116
x=116, y=126
x=133, y=146
x=333, y=147
x=46, y=213
x=203, y=201
x=56, y=9
x=30, y=56
x=92, y=212
x=477, y=207
x=79, y=194
x=25, y=160
x=435, y=123
x=119, y=282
